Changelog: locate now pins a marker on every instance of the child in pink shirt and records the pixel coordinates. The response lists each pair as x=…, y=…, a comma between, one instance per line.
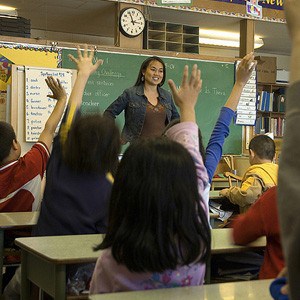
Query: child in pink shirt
x=158, y=234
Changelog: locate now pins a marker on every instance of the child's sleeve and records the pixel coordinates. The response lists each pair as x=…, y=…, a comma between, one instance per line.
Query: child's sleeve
x=186, y=134
x=252, y=187
x=214, y=148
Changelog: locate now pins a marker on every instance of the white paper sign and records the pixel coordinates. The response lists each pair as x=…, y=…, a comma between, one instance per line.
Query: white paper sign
x=38, y=106
x=246, y=110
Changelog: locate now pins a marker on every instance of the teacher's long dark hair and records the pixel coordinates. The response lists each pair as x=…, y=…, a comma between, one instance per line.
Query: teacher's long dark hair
x=156, y=219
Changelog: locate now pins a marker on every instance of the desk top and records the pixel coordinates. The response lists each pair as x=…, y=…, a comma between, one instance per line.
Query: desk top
x=215, y=195
x=63, y=249
x=246, y=290
x=68, y=249
x=221, y=242
x=18, y=219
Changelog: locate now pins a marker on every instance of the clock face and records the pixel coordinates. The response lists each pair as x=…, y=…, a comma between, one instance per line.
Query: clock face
x=132, y=22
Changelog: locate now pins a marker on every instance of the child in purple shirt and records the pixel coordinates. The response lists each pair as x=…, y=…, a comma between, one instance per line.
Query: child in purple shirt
x=158, y=234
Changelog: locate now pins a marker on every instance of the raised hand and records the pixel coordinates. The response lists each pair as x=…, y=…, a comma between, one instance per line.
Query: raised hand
x=245, y=68
x=56, y=88
x=84, y=61
x=187, y=94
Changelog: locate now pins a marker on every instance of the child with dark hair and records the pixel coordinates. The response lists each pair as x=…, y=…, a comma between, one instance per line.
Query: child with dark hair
x=21, y=177
x=261, y=175
x=84, y=152
x=158, y=234
x=78, y=183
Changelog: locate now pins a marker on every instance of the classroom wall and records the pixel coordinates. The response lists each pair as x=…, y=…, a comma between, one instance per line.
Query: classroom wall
x=282, y=60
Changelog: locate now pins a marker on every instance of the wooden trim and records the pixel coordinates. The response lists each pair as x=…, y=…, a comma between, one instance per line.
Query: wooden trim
x=247, y=29
x=192, y=56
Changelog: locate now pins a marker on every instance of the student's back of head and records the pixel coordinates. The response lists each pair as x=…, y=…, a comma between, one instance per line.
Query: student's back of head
x=156, y=221
x=92, y=145
x=7, y=135
x=263, y=146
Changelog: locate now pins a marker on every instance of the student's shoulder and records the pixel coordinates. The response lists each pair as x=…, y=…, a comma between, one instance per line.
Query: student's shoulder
x=39, y=147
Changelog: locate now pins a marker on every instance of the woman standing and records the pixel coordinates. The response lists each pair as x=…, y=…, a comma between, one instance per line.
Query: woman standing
x=148, y=107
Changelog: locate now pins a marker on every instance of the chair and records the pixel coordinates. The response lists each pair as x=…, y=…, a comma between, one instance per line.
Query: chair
x=233, y=179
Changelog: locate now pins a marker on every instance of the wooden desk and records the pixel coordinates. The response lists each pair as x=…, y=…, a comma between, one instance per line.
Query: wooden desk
x=44, y=259
x=215, y=195
x=10, y=221
x=246, y=290
x=221, y=242
x=219, y=183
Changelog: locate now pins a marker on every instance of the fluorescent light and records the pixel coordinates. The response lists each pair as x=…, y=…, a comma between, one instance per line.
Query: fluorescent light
x=8, y=11
x=224, y=38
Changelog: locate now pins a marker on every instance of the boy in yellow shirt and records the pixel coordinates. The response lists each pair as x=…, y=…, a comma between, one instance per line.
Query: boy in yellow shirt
x=261, y=175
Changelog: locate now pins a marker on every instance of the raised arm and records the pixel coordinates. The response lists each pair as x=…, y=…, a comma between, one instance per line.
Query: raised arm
x=60, y=95
x=186, y=96
x=186, y=132
x=85, y=68
x=221, y=130
x=243, y=73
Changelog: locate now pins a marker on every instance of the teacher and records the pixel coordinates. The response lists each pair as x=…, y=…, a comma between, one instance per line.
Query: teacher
x=148, y=107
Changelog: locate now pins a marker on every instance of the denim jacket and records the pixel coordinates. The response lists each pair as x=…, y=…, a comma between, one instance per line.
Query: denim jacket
x=134, y=102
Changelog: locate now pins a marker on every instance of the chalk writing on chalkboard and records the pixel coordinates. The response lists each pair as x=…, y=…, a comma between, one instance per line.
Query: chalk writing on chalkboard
x=38, y=106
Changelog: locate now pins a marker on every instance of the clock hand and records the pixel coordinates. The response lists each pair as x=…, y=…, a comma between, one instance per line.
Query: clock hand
x=131, y=18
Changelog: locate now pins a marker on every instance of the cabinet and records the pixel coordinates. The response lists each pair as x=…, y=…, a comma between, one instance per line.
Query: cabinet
x=171, y=37
x=271, y=112
x=270, y=109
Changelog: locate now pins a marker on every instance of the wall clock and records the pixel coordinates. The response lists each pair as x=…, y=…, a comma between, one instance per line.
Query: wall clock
x=132, y=22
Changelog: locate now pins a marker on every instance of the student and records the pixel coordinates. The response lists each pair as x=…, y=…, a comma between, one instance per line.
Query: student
x=158, y=234
x=261, y=219
x=84, y=152
x=77, y=186
x=21, y=177
x=261, y=175
x=289, y=175
x=213, y=152
x=214, y=148
x=148, y=107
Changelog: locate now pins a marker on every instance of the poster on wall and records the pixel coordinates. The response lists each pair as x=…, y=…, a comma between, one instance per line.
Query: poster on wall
x=246, y=110
x=253, y=9
x=38, y=106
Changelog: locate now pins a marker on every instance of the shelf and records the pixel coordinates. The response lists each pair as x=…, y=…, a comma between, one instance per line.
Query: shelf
x=174, y=37
x=171, y=37
x=170, y=27
x=176, y=47
x=190, y=39
x=189, y=48
x=161, y=26
x=271, y=101
x=191, y=30
x=157, y=35
x=157, y=45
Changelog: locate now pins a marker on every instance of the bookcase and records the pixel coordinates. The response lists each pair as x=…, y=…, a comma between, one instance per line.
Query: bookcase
x=271, y=112
x=171, y=37
x=270, y=109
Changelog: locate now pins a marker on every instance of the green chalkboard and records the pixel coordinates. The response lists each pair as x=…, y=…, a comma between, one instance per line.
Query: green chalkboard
x=120, y=71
